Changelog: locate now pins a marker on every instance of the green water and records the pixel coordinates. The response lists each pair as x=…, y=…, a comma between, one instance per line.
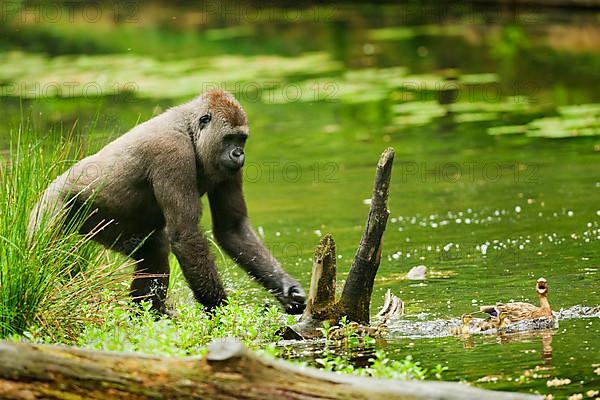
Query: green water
x=503, y=160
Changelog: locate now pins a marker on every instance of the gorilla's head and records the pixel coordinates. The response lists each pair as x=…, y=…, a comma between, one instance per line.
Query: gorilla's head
x=220, y=129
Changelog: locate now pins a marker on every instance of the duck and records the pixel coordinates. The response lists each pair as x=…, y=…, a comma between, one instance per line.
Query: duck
x=499, y=322
x=519, y=311
x=463, y=329
x=356, y=329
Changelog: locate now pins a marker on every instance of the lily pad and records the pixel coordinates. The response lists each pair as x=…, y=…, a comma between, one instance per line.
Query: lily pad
x=229, y=32
x=403, y=32
x=473, y=79
x=560, y=127
x=475, y=117
x=34, y=75
x=581, y=109
x=507, y=130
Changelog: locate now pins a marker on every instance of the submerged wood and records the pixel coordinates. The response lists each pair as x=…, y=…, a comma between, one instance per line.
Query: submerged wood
x=229, y=371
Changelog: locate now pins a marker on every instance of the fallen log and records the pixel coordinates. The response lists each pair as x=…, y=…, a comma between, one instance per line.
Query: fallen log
x=229, y=371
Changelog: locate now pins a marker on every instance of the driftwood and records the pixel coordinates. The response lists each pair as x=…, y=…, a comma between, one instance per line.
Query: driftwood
x=229, y=371
x=355, y=302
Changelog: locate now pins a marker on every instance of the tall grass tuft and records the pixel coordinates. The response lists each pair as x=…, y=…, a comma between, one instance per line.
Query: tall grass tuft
x=49, y=279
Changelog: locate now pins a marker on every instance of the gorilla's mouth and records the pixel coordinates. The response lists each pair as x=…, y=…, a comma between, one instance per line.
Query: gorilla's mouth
x=231, y=165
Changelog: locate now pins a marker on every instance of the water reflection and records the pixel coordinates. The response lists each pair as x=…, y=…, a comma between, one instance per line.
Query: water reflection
x=545, y=337
x=547, y=347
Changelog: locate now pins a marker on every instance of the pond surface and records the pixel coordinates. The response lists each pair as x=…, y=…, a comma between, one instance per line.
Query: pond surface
x=494, y=115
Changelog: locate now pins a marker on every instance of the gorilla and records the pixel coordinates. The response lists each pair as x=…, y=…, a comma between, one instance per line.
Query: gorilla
x=140, y=195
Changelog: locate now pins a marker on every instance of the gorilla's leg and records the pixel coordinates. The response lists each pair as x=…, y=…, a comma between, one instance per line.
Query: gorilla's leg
x=49, y=211
x=151, y=277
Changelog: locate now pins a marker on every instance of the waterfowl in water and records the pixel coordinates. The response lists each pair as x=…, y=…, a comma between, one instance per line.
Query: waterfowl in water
x=355, y=329
x=393, y=307
x=463, y=329
x=519, y=311
x=499, y=322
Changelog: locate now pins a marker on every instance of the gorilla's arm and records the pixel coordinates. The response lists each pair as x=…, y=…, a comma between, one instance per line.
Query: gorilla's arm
x=234, y=233
x=174, y=184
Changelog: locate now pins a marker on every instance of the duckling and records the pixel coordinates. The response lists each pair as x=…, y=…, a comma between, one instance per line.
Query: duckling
x=519, y=311
x=463, y=329
x=499, y=322
x=373, y=331
x=354, y=328
x=341, y=332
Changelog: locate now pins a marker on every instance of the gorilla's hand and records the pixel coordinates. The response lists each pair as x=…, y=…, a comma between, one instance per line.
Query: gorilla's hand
x=292, y=297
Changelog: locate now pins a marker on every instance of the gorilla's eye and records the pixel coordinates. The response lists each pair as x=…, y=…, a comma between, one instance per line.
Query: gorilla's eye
x=204, y=120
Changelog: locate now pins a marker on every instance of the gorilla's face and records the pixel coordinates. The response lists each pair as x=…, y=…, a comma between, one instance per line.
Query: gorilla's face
x=221, y=146
x=220, y=128
x=232, y=156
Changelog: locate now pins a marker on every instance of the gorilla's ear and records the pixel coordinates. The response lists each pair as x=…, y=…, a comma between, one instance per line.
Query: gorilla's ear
x=204, y=120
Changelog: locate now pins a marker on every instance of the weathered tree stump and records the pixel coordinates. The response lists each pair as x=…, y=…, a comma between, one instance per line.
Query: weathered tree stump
x=320, y=305
x=229, y=371
x=356, y=296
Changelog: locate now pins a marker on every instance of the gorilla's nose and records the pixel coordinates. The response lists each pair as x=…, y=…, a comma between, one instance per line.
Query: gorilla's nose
x=237, y=156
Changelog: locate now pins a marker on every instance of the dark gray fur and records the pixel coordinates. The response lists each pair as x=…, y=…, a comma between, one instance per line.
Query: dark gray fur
x=144, y=188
